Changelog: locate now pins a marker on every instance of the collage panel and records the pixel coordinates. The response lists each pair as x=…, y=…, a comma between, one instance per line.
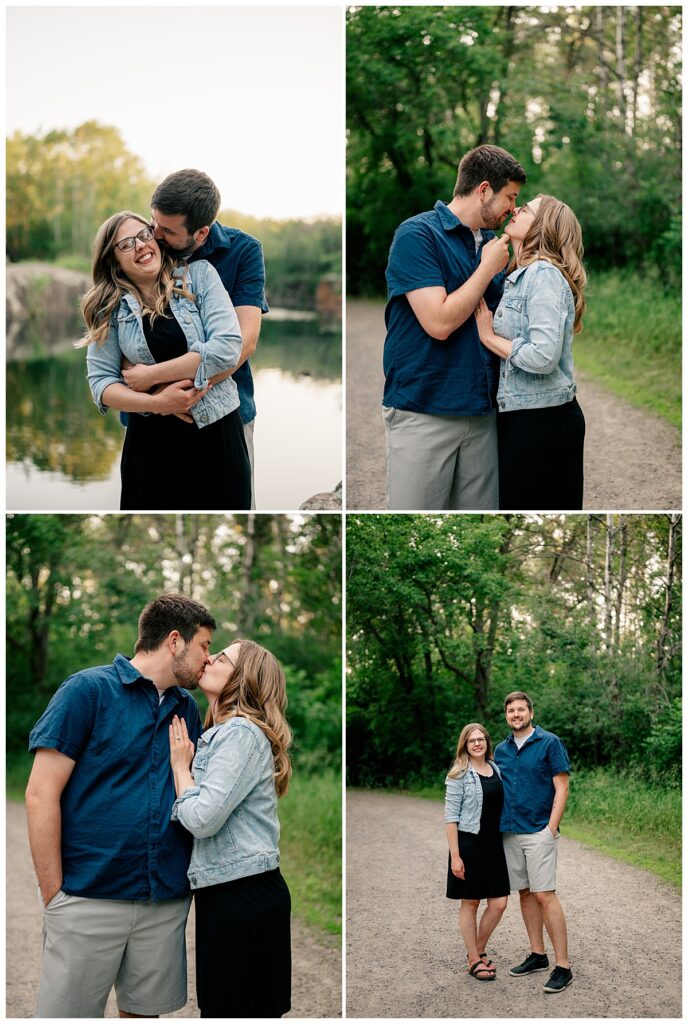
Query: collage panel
x=174, y=240
x=513, y=766
x=174, y=723
x=513, y=258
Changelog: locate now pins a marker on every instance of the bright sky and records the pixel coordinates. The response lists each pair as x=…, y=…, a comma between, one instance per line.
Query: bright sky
x=253, y=96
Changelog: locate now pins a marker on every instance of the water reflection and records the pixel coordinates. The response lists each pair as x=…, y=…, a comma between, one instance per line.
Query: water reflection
x=63, y=455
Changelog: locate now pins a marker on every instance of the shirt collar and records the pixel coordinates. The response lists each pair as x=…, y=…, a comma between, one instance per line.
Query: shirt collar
x=129, y=674
x=216, y=240
x=448, y=219
x=537, y=735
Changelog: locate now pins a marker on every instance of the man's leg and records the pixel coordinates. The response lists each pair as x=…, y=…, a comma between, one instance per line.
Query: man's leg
x=83, y=944
x=248, y=435
x=476, y=485
x=152, y=976
x=532, y=918
x=552, y=913
x=541, y=850
x=422, y=452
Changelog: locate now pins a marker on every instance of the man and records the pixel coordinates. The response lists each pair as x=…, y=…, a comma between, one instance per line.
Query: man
x=439, y=403
x=110, y=863
x=535, y=774
x=184, y=207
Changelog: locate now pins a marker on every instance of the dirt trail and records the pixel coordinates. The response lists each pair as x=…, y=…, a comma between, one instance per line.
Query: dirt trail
x=632, y=458
x=317, y=972
x=405, y=959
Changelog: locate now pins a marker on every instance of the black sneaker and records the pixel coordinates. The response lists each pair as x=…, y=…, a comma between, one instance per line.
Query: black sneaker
x=532, y=963
x=558, y=979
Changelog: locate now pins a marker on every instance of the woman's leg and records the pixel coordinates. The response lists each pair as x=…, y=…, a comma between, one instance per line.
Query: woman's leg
x=468, y=914
x=491, y=917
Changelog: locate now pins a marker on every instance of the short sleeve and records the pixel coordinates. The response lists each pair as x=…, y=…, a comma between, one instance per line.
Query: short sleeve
x=558, y=757
x=67, y=722
x=249, y=282
x=413, y=261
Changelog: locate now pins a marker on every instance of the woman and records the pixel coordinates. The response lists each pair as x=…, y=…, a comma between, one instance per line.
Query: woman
x=477, y=866
x=177, y=335
x=229, y=804
x=540, y=425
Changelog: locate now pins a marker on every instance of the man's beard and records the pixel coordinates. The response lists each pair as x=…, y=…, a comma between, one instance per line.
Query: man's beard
x=179, y=254
x=183, y=674
x=490, y=218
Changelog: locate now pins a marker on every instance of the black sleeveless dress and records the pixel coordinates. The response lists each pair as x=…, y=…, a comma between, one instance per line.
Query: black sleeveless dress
x=167, y=464
x=482, y=854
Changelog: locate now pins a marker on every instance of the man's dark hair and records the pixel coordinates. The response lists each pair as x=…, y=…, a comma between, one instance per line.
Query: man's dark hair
x=191, y=193
x=168, y=612
x=487, y=163
x=517, y=695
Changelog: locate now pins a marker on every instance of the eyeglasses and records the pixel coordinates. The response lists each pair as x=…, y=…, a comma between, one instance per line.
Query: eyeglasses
x=481, y=739
x=126, y=244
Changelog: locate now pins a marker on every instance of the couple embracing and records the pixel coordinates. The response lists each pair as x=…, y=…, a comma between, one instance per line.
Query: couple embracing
x=132, y=802
x=502, y=815
x=171, y=319
x=479, y=405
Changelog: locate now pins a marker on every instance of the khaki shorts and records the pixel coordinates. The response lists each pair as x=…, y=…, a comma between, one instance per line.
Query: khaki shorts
x=90, y=945
x=532, y=860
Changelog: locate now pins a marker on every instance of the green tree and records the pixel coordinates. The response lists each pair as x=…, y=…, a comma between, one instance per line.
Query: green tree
x=588, y=99
x=447, y=614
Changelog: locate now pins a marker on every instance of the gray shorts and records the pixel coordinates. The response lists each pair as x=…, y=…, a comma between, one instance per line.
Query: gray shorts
x=91, y=945
x=532, y=860
x=439, y=463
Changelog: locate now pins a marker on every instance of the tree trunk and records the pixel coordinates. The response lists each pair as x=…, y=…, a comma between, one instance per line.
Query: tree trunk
x=661, y=657
x=608, y=585
x=621, y=61
x=620, y=585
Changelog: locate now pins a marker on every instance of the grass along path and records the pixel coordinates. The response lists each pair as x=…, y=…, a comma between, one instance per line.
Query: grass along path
x=311, y=848
x=631, y=342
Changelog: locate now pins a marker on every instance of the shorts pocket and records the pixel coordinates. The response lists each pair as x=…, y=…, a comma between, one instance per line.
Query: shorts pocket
x=57, y=898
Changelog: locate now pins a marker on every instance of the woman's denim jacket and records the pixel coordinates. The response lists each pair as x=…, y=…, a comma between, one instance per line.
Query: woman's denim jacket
x=464, y=799
x=231, y=810
x=536, y=313
x=210, y=327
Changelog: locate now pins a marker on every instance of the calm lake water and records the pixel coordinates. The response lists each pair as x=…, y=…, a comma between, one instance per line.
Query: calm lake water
x=62, y=455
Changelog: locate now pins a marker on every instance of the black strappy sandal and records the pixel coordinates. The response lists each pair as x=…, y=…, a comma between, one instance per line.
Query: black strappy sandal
x=480, y=972
x=488, y=963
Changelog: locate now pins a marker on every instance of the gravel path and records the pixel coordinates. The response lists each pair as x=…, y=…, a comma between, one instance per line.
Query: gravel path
x=317, y=971
x=405, y=958
x=632, y=458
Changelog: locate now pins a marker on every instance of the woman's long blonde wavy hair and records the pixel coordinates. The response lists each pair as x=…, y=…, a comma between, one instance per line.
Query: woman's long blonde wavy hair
x=110, y=282
x=555, y=235
x=460, y=766
x=256, y=689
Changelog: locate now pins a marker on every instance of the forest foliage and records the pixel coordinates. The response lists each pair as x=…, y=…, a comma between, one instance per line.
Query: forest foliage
x=63, y=184
x=587, y=98
x=77, y=583
x=448, y=614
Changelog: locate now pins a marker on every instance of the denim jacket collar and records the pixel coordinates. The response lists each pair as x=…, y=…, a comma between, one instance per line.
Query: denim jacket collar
x=515, y=274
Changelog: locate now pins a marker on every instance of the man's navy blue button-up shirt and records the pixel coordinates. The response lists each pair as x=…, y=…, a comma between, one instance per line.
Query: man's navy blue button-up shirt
x=527, y=779
x=238, y=259
x=118, y=842
x=455, y=377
